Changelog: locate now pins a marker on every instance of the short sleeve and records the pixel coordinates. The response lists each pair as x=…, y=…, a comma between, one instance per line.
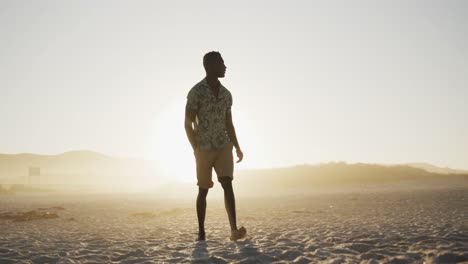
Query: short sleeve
x=192, y=101
x=229, y=103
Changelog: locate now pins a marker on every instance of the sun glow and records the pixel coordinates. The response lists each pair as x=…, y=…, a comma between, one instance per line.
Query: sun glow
x=171, y=147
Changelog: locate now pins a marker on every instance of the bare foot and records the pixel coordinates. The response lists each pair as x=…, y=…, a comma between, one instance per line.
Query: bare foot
x=238, y=234
x=201, y=236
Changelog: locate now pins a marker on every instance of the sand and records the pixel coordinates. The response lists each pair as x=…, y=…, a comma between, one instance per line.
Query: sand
x=387, y=227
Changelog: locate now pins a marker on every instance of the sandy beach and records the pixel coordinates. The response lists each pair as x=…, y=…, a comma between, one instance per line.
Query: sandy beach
x=379, y=227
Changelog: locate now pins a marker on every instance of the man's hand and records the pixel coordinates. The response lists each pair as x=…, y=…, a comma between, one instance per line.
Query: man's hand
x=240, y=155
x=231, y=131
x=189, y=119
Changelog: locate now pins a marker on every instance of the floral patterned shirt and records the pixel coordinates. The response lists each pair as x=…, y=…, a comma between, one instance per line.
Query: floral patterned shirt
x=210, y=121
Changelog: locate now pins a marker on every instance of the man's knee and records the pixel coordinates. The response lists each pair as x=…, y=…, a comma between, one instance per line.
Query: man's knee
x=225, y=181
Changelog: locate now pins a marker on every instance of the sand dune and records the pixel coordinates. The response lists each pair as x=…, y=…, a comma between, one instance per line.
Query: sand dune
x=77, y=167
x=100, y=171
x=371, y=227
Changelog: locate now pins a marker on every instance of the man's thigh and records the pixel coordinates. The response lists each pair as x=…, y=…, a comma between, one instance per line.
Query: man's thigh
x=204, y=164
x=224, y=163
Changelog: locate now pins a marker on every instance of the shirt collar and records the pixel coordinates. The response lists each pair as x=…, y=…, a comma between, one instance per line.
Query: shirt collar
x=221, y=87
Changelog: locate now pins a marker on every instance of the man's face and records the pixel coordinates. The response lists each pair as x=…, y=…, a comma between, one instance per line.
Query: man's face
x=218, y=68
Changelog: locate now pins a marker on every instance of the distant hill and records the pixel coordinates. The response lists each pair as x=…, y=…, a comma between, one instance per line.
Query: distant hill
x=435, y=169
x=75, y=167
x=327, y=177
x=342, y=175
x=92, y=168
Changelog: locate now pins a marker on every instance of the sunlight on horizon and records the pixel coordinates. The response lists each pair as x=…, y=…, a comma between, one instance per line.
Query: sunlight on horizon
x=169, y=146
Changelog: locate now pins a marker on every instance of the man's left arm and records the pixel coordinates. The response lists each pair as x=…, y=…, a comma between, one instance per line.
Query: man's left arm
x=231, y=131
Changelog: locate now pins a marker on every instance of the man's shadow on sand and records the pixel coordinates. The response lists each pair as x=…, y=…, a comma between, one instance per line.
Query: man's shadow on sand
x=245, y=249
x=200, y=252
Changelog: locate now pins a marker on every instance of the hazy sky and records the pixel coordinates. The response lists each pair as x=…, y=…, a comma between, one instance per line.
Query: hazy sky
x=312, y=81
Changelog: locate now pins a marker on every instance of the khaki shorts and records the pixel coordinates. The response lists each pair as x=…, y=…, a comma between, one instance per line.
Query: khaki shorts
x=221, y=160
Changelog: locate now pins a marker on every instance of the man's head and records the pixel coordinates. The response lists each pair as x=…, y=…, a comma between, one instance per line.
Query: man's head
x=214, y=64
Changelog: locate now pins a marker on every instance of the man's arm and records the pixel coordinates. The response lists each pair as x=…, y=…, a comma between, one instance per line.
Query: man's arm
x=189, y=129
x=231, y=131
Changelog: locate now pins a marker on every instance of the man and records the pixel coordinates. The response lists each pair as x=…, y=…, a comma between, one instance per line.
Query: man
x=213, y=137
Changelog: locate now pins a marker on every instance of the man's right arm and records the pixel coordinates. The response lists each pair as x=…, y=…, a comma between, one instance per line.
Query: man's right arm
x=189, y=129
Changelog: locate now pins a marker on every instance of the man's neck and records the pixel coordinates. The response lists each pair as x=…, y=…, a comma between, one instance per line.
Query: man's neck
x=212, y=81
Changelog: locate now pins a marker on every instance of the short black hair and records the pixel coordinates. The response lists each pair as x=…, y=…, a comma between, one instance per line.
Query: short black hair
x=211, y=57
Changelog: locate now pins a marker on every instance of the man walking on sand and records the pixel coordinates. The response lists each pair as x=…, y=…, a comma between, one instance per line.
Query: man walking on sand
x=213, y=137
